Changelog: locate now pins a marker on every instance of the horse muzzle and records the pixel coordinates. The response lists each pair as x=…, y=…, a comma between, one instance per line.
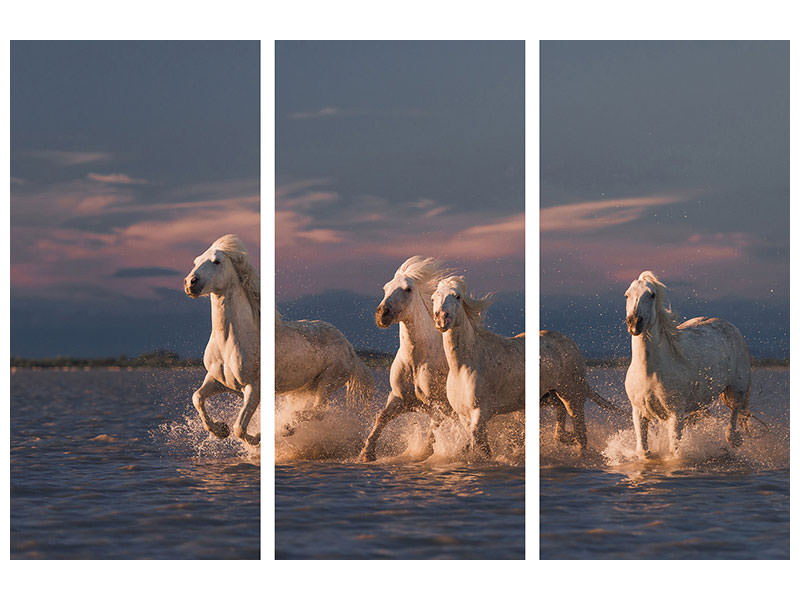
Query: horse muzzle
x=383, y=316
x=442, y=321
x=190, y=287
x=634, y=324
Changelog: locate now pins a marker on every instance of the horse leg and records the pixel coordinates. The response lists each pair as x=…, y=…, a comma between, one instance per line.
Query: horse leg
x=210, y=387
x=436, y=417
x=675, y=424
x=327, y=383
x=561, y=434
x=480, y=438
x=640, y=425
x=251, y=401
x=579, y=424
x=733, y=437
x=395, y=406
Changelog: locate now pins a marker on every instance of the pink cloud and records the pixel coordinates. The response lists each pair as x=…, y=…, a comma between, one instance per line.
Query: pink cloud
x=714, y=261
x=585, y=216
x=114, y=178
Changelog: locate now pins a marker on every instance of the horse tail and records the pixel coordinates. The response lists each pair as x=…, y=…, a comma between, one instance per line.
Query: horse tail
x=360, y=386
x=603, y=403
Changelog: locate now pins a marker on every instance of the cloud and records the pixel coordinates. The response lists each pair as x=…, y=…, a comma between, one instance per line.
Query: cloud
x=70, y=159
x=329, y=111
x=585, y=216
x=119, y=178
x=332, y=111
x=145, y=272
x=51, y=247
x=712, y=264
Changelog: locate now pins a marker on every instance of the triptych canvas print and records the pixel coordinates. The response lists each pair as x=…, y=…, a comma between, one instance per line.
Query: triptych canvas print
x=391, y=370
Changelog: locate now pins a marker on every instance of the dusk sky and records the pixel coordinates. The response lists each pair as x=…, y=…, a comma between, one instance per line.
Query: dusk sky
x=127, y=160
x=385, y=150
x=668, y=156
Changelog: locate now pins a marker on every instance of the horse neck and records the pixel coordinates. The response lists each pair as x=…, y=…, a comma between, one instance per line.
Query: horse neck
x=459, y=344
x=418, y=335
x=230, y=311
x=651, y=347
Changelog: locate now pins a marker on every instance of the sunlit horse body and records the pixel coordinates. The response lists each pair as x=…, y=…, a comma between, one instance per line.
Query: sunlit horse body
x=232, y=357
x=486, y=374
x=562, y=383
x=678, y=370
x=313, y=359
x=419, y=370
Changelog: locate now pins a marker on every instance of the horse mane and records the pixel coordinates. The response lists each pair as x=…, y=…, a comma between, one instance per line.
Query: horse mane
x=474, y=308
x=248, y=277
x=666, y=320
x=426, y=273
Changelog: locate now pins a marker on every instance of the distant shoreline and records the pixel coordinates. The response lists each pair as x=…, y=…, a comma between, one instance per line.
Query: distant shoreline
x=162, y=359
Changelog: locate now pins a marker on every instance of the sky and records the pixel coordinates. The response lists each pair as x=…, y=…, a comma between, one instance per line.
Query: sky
x=127, y=160
x=668, y=156
x=385, y=150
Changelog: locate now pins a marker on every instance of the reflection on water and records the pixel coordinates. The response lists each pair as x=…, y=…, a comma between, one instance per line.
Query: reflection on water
x=709, y=502
x=116, y=465
x=328, y=505
x=399, y=511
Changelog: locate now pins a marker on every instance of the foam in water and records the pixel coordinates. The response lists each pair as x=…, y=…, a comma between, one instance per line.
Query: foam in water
x=187, y=436
x=339, y=434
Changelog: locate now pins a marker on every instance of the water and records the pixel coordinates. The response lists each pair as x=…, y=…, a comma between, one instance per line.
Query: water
x=328, y=505
x=709, y=502
x=116, y=465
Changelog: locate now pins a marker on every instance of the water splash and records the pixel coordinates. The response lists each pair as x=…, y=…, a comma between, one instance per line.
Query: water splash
x=612, y=442
x=337, y=434
x=186, y=436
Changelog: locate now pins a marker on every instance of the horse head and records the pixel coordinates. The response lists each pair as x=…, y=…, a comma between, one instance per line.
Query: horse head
x=644, y=298
x=448, y=312
x=415, y=277
x=213, y=272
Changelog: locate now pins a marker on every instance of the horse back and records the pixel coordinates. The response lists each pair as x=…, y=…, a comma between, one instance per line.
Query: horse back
x=713, y=343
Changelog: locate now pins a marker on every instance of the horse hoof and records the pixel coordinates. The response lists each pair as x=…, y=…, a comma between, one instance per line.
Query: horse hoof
x=367, y=456
x=568, y=438
x=734, y=438
x=221, y=430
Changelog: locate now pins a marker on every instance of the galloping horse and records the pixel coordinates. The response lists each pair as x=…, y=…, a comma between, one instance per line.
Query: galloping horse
x=562, y=382
x=486, y=371
x=313, y=358
x=419, y=369
x=677, y=370
x=232, y=357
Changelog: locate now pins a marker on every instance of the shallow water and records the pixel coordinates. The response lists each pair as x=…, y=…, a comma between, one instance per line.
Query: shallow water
x=115, y=464
x=709, y=502
x=328, y=505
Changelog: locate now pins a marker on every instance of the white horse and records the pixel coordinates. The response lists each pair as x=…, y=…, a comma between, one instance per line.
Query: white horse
x=232, y=357
x=486, y=371
x=678, y=370
x=419, y=370
x=562, y=383
x=314, y=359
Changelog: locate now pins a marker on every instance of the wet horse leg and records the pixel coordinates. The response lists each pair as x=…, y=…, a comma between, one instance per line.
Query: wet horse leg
x=251, y=400
x=640, y=425
x=396, y=405
x=327, y=382
x=729, y=397
x=210, y=387
x=675, y=425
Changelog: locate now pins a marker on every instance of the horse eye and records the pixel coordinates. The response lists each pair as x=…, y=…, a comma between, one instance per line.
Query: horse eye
x=406, y=290
x=458, y=297
x=215, y=261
